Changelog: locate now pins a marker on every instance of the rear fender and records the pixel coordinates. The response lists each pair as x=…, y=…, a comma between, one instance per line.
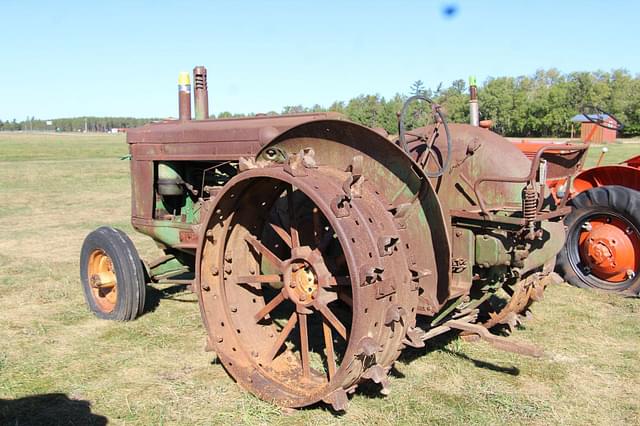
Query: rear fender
x=608, y=175
x=398, y=180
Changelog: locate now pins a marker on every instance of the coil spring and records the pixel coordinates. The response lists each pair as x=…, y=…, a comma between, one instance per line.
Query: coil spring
x=529, y=204
x=200, y=82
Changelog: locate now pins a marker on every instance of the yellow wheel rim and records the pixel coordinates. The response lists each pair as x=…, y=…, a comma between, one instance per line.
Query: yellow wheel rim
x=102, y=281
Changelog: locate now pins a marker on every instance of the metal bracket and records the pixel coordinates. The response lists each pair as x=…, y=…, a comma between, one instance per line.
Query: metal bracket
x=371, y=274
x=340, y=206
x=399, y=213
x=387, y=244
x=352, y=186
x=497, y=342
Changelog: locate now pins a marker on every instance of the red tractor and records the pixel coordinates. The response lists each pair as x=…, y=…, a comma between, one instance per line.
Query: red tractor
x=603, y=230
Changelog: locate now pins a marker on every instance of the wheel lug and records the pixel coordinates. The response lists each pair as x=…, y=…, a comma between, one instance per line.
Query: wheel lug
x=587, y=226
x=302, y=297
x=234, y=308
x=631, y=274
x=292, y=285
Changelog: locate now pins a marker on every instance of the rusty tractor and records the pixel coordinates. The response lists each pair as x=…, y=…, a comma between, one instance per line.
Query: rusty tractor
x=603, y=230
x=319, y=248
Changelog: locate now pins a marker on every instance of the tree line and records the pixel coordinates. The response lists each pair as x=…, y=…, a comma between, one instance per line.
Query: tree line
x=74, y=124
x=537, y=105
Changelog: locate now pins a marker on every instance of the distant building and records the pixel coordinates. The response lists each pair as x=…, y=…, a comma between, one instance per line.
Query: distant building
x=591, y=132
x=118, y=130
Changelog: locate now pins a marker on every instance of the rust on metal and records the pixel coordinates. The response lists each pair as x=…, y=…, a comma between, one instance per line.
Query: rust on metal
x=315, y=243
x=200, y=93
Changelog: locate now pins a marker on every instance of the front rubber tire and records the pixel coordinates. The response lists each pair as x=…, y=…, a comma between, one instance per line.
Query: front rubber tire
x=128, y=302
x=617, y=201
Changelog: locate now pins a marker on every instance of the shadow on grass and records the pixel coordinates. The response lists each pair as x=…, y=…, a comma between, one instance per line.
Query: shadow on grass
x=369, y=389
x=155, y=295
x=440, y=343
x=48, y=409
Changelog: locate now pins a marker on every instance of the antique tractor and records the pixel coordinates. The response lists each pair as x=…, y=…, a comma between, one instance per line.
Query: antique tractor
x=319, y=248
x=603, y=230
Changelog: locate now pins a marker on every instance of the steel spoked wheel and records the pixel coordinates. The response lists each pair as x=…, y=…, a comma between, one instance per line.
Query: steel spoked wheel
x=103, y=280
x=284, y=288
x=603, y=240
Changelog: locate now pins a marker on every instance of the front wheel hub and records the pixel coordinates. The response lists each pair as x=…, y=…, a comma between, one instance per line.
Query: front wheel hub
x=608, y=250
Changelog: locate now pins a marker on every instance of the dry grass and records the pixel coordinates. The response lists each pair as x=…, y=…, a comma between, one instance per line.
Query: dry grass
x=54, y=189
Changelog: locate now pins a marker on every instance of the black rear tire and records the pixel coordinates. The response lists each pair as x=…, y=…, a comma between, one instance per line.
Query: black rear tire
x=615, y=201
x=128, y=301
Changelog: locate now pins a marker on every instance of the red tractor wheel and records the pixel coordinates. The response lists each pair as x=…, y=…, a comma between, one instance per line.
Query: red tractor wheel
x=603, y=240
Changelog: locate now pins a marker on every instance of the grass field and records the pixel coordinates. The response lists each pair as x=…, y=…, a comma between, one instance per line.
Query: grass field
x=60, y=364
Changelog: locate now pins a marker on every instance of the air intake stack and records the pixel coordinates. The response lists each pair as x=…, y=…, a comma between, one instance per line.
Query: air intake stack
x=474, y=112
x=201, y=93
x=184, y=96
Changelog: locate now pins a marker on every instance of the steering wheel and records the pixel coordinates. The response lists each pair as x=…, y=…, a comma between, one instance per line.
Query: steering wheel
x=589, y=111
x=440, y=119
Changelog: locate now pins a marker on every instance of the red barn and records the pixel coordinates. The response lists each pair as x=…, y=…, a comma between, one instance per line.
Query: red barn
x=591, y=132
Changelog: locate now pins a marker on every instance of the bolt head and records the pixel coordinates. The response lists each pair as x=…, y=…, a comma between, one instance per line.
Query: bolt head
x=631, y=274
x=587, y=226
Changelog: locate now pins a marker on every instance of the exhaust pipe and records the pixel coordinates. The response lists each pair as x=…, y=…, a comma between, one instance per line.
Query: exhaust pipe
x=474, y=112
x=200, y=93
x=184, y=96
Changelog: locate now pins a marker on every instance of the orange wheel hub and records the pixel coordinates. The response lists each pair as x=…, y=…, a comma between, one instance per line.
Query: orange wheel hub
x=103, y=281
x=610, y=248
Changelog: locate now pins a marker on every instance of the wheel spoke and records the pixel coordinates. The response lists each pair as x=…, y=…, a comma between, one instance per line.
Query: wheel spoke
x=273, y=303
x=282, y=234
x=259, y=279
x=260, y=248
x=304, y=345
x=293, y=224
x=293, y=319
x=329, y=352
x=333, y=320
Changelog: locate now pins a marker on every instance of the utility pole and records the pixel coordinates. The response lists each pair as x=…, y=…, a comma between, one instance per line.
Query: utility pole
x=85, y=124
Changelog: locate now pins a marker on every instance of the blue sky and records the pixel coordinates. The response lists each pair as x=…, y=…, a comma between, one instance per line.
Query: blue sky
x=71, y=58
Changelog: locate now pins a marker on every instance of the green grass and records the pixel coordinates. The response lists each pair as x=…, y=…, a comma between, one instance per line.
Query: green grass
x=54, y=189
